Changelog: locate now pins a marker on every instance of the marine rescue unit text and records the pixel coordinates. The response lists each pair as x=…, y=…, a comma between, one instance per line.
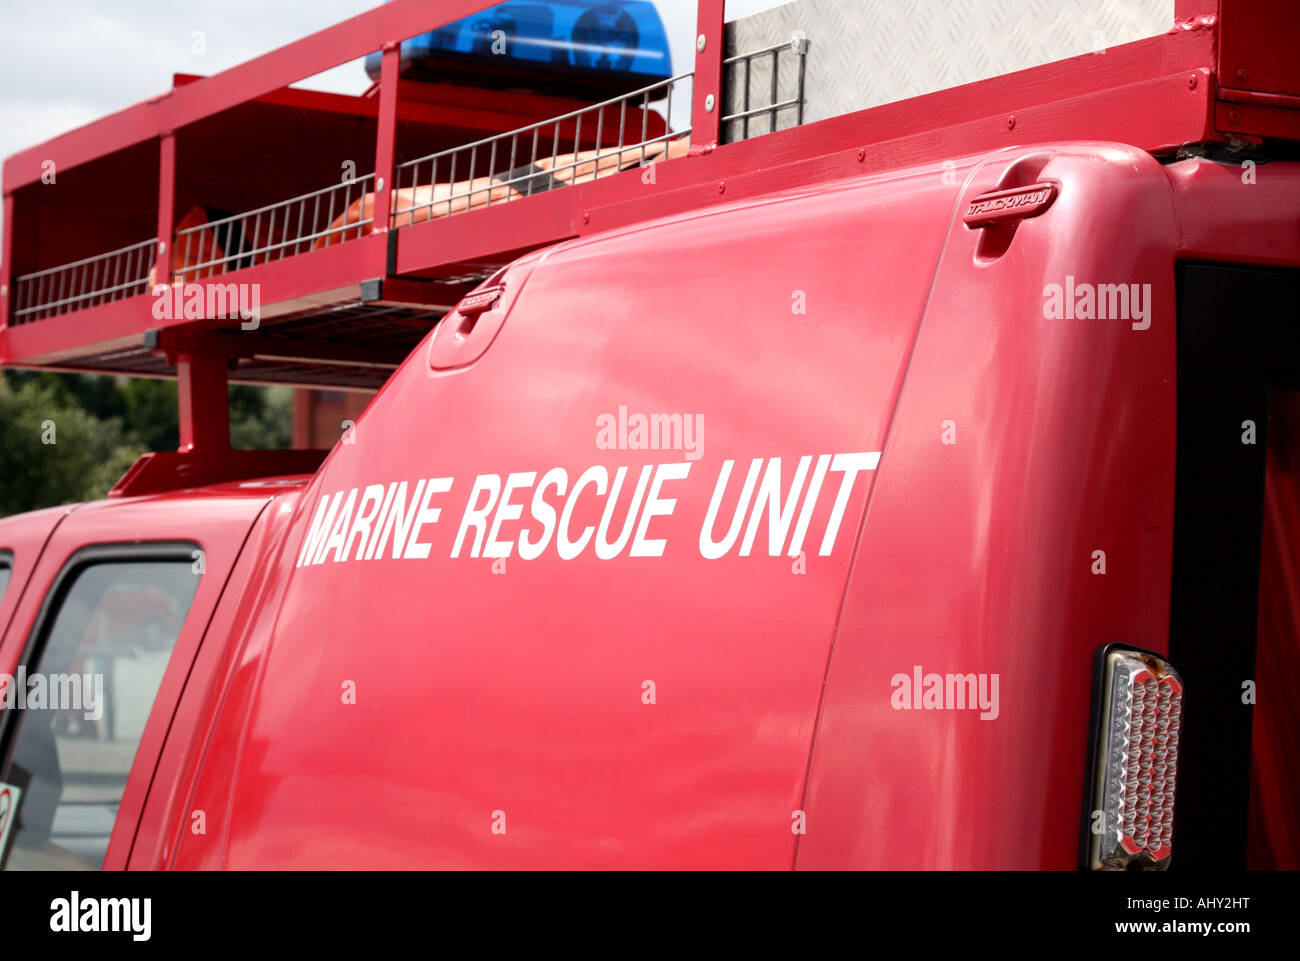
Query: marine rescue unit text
x=394, y=519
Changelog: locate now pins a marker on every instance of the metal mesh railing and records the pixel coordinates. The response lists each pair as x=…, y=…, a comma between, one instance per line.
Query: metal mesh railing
x=776, y=74
x=586, y=144
x=596, y=141
x=96, y=280
x=317, y=219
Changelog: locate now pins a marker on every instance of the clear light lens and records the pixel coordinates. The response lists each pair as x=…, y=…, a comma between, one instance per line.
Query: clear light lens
x=1137, y=762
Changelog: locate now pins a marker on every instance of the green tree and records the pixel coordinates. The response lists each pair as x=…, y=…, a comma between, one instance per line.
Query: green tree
x=99, y=395
x=100, y=425
x=261, y=418
x=52, y=451
x=152, y=413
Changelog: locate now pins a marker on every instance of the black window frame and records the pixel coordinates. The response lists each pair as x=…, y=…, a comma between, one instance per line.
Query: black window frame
x=52, y=604
x=1238, y=342
x=6, y=564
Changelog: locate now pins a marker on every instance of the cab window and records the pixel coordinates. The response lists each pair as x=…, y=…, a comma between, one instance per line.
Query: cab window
x=76, y=716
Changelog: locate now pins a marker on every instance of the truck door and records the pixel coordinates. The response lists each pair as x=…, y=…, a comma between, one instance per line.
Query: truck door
x=22, y=539
x=95, y=658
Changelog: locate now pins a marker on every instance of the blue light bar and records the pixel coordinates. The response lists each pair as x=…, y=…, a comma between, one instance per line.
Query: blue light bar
x=544, y=45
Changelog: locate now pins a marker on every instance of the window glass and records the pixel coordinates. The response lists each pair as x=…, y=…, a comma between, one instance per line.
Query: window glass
x=84, y=705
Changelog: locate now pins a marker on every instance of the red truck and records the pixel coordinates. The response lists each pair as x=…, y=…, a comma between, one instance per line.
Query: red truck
x=914, y=487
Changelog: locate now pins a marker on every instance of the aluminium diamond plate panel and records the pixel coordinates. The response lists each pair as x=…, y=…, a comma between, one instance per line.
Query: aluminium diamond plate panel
x=863, y=53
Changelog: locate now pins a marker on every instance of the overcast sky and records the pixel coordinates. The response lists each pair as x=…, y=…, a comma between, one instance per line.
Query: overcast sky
x=64, y=63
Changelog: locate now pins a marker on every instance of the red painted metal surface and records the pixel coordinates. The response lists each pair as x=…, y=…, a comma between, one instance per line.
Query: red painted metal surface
x=1258, y=73
x=204, y=425
x=157, y=473
x=386, y=144
x=809, y=292
x=518, y=691
x=697, y=779
x=707, y=86
x=977, y=556
x=167, y=813
x=315, y=276
x=1257, y=45
x=23, y=537
x=6, y=258
x=1138, y=93
x=217, y=522
x=1243, y=212
x=166, y=205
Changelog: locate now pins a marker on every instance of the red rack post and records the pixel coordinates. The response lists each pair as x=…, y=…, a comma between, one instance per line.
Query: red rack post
x=204, y=403
x=706, y=90
x=386, y=142
x=166, y=208
x=6, y=260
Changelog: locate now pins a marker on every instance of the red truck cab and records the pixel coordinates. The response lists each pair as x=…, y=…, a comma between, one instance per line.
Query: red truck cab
x=813, y=513
x=124, y=590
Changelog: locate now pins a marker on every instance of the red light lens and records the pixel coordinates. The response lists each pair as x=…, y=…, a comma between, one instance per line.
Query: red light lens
x=1137, y=762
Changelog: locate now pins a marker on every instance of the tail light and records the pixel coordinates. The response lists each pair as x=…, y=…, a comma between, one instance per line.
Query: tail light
x=1138, y=713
